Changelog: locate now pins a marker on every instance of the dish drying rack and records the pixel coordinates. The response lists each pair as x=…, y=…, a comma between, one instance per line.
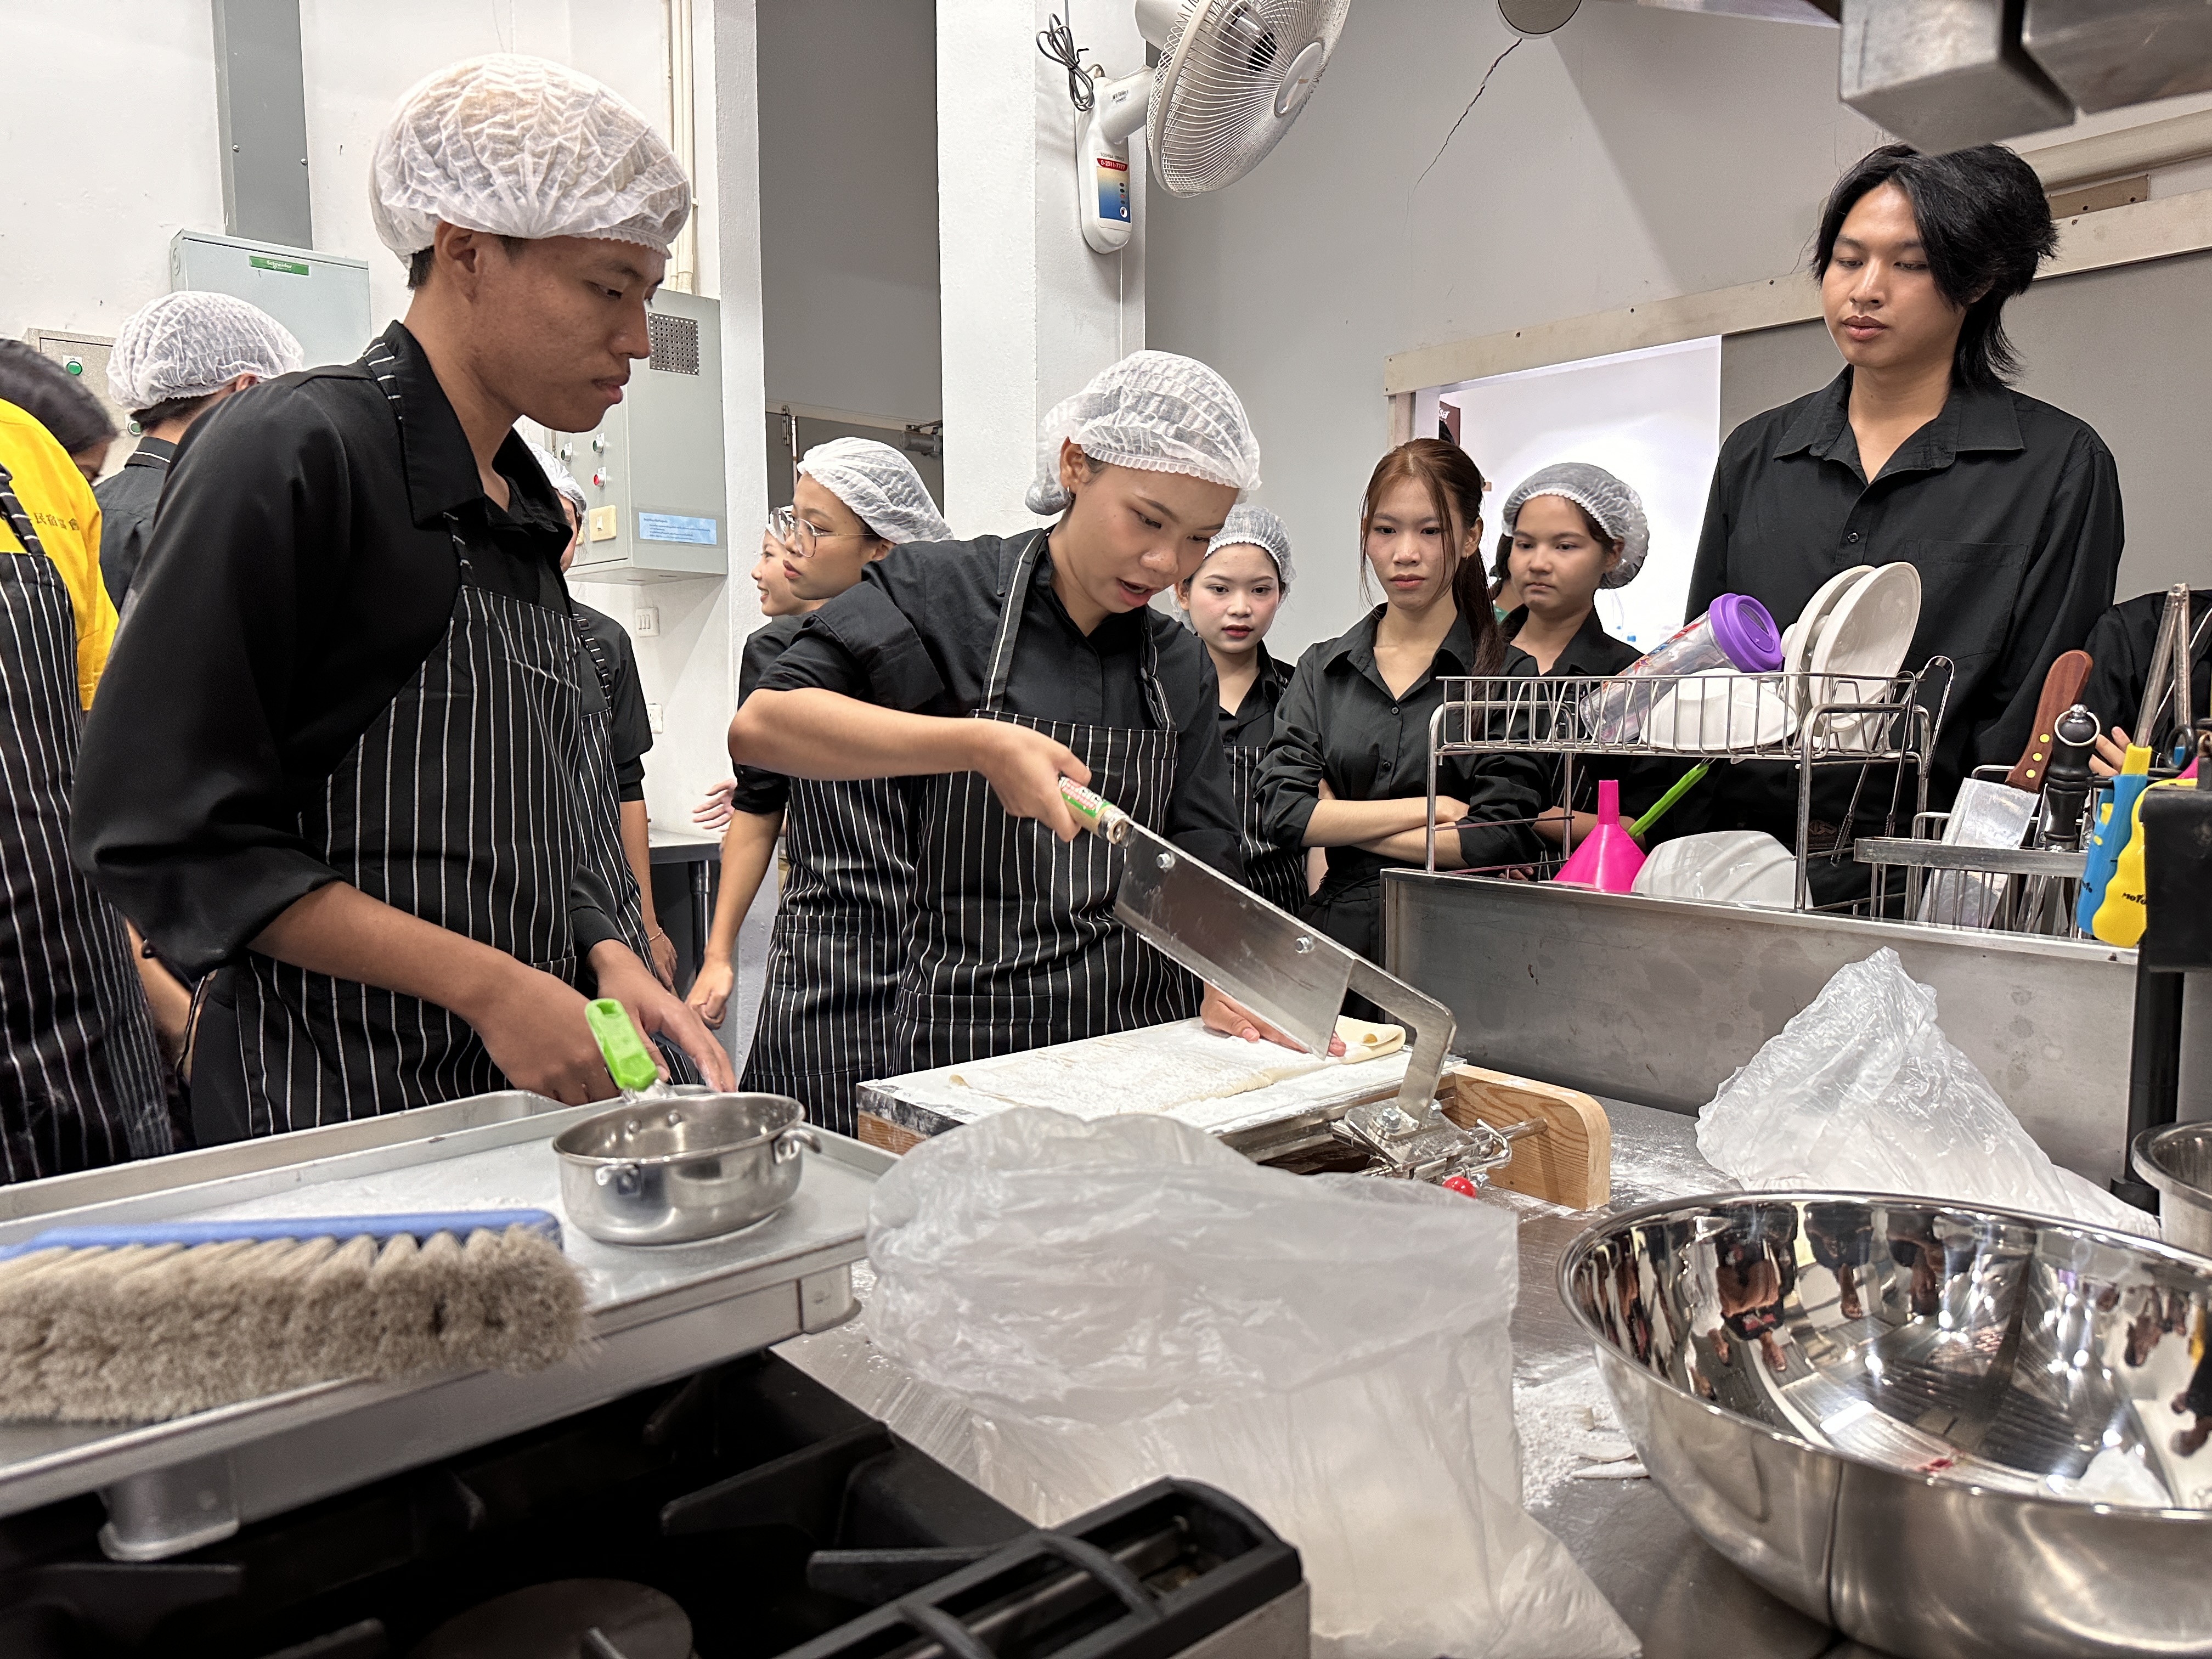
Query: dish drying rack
x=1811, y=720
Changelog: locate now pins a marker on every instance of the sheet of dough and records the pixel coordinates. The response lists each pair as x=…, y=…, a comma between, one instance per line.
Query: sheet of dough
x=1136, y=1074
x=1158, y=1071
x=1366, y=1040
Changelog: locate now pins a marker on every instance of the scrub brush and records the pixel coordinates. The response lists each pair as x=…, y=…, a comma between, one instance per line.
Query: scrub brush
x=148, y=1321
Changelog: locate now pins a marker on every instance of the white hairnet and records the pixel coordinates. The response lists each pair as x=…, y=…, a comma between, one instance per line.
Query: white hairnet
x=520, y=147
x=188, y=345
x=563, y=481
x=1153, y=411
x=1613, y=503
x=1248, y=525
x=879, y=484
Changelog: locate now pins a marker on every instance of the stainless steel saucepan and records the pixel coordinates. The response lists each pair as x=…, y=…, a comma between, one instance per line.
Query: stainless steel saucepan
x=688, y=1166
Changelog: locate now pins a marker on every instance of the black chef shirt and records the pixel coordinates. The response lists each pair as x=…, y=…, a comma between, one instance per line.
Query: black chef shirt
x=1253, y=722
x=127, y=501
x=1339, y=721
x=2009, y=508
x=759, y=792
x=917, y=633
x=629, y=724
x=299, y=573
x=2120, y=646
x=1592, y=654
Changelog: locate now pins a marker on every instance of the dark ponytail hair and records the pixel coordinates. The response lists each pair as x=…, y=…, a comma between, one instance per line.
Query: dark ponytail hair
x=1454, y=484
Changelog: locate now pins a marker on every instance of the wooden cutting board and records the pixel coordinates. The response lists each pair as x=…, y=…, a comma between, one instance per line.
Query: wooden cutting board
x=1568, y=1162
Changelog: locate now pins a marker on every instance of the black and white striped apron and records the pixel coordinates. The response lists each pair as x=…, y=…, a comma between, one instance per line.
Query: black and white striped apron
x=79, y=1077
x=1016, y=944
x=475, y=800
x=1277, y=874
x=838, y=947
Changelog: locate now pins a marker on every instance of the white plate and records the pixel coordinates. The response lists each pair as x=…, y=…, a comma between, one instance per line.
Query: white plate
x=1864, y=639
x=1714, y=713
x=1824, y=600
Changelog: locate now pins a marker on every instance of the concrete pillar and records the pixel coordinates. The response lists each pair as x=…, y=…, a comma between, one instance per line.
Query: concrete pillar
x=690, y=670
x=1028, y=313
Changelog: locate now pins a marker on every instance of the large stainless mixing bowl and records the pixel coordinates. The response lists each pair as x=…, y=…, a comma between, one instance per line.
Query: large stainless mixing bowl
x=1903, y=1471
x=668, y=1171
x=2178, y=1161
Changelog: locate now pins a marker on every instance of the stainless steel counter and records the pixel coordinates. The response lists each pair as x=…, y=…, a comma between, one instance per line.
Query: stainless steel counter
x=652, y=1313
x=1660, y=999
x=1679, y=1595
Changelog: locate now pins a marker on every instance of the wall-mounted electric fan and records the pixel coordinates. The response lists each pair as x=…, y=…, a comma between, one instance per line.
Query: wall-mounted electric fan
x=1232, y=77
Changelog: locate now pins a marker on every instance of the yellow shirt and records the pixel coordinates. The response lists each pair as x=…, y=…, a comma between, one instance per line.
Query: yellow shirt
x=66, y=520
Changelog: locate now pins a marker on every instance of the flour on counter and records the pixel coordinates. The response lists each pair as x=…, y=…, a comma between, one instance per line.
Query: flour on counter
x=1567, y=1428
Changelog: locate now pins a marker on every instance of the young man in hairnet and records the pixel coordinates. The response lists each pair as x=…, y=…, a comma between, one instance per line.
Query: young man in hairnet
x=174, y=359
x=346, y=752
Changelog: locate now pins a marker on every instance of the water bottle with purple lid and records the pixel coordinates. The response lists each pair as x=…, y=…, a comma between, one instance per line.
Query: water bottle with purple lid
x=1735, y=634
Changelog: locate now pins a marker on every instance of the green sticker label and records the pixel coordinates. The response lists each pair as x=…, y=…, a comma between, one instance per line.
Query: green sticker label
x=289, y=267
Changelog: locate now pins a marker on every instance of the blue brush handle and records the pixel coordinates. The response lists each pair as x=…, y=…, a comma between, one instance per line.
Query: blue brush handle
x=460, y=1223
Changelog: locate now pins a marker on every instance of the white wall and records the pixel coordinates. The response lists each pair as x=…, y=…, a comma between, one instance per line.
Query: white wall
x=1639, y=153
x=1029, y=312
x=104, y=163
x=848, y=205
x=1650, y=417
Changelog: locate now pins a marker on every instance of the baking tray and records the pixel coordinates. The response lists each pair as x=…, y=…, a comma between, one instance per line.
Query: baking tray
x=653, y=1312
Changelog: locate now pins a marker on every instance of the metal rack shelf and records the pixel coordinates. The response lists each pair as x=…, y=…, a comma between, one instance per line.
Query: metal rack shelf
x=1809, y=721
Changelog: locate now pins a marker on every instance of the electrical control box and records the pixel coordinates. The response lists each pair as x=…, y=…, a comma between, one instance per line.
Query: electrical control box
x=323, y=298
x=652, y=473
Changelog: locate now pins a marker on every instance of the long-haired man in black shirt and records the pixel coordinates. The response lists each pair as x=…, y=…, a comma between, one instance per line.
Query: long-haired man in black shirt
x=1920, y=450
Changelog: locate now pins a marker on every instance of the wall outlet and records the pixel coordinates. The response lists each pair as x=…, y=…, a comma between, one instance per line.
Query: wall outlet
x=649, y=623
x=653, y=720
x=607, y=523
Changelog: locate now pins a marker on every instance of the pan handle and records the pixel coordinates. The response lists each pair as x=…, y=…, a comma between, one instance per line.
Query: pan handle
x=788, y=1143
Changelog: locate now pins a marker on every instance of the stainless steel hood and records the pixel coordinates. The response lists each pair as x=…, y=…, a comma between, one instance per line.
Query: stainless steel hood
x=1945, y=74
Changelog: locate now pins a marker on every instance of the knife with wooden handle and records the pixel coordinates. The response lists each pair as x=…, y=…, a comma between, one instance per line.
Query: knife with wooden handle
x=2062, y=690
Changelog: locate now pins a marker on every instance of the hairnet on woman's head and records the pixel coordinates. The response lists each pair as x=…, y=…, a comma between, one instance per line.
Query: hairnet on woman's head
x=53, y=397
x=1155, y=411
x=518, y=146
x=1613, y=502
x=1248, y=525
x=188, y=345
x=880, y=485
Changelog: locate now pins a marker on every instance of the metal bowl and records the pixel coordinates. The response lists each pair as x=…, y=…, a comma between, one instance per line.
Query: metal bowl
x=668, y=1171
x=1913, y=1471
x=2178, y=1161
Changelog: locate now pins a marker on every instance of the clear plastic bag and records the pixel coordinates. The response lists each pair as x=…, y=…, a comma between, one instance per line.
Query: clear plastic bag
x=1125, y=1299
x=1861, y=1093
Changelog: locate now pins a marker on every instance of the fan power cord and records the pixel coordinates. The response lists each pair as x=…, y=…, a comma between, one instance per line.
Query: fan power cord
x=1056, y=40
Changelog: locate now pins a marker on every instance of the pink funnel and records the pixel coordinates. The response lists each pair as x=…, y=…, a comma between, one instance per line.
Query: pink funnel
x=1608, y=858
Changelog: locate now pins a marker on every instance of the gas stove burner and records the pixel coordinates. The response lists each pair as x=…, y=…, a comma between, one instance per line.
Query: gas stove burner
x=569, y=1619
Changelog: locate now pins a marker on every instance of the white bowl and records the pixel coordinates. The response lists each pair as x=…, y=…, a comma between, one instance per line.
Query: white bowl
x=1728, y=866
x=1718, y=713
